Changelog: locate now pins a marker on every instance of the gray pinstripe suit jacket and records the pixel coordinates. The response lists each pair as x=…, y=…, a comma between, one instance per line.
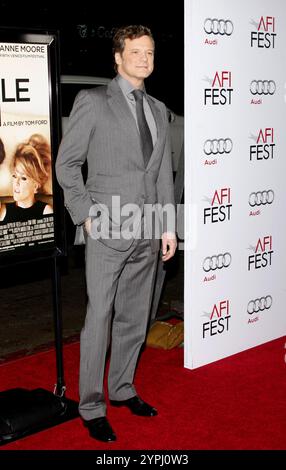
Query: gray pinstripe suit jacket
x=102, y=130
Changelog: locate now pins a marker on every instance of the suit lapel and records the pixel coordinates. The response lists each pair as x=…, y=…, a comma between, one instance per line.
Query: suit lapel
x=160, y=128
x=120, y=108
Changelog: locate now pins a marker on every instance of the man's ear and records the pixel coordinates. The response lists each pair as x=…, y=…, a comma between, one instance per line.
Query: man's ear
x=118, y=58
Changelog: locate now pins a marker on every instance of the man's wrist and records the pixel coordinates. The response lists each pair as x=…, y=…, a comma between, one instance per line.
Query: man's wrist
x=170, y=235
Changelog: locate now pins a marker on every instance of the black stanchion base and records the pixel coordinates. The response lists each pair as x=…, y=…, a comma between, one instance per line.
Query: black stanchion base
x=24, y=412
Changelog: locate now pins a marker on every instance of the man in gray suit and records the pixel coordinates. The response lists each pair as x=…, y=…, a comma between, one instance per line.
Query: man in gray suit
x=123, y=133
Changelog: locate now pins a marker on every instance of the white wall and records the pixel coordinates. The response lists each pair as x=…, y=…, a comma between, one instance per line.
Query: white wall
x=219, y=73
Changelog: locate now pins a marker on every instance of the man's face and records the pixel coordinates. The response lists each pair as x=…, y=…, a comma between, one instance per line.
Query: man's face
x=137, y=59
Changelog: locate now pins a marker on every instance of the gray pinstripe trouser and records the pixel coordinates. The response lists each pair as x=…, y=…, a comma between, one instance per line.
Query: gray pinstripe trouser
x=119, y=283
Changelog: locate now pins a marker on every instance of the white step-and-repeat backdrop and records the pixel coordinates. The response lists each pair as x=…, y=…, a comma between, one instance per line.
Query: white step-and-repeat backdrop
x=235, y=171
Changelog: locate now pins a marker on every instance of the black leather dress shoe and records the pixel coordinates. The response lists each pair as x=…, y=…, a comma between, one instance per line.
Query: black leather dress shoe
x=100, y=429
x=136, y=406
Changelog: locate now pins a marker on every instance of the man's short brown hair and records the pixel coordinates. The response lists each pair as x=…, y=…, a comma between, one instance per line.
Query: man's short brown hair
x=128, y=32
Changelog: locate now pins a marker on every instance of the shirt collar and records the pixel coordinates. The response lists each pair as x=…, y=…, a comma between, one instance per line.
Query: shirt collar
x=127, y=87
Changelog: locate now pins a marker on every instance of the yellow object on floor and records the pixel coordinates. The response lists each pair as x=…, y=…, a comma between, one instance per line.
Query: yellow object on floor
x=165, y=335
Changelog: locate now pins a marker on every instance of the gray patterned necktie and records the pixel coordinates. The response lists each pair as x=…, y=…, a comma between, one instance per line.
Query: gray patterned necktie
x=145, y=134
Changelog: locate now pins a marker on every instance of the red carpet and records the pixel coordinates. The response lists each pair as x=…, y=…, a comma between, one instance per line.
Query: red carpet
x=235, y=403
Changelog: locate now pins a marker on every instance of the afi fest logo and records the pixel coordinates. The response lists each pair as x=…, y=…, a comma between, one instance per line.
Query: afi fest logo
x=220, y=209
x=263, y=149
x=218, y=319
x=220, y=92
x=13, y=92
x=256, y=306
x=216, y=28
x=264, y=35
x=214, y=148
x=263, y=252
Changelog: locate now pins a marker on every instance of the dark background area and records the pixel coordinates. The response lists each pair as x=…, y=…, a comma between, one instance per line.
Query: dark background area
x=86, y=28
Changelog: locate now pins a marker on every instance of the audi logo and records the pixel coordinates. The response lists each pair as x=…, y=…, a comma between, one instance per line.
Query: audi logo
x=261, y=198
x=218, y=26
x=216, y=146
x=258, y=305
x=211, y=263
x=262, y=87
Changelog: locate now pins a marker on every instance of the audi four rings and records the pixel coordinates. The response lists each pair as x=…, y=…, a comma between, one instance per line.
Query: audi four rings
x=261, y=198
x=262, y=87
x=218, y=26
x=258, y=305
x=215, y=146
x=211, y=263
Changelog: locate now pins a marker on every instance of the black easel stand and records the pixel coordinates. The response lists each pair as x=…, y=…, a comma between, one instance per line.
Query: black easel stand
x=24, y=412
x=60, y=387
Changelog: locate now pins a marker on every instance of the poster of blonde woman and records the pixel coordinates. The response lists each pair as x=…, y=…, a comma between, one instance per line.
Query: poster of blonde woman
x=26, y=157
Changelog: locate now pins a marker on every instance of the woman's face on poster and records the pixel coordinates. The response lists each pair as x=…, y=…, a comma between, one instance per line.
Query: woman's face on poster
x=24, y=187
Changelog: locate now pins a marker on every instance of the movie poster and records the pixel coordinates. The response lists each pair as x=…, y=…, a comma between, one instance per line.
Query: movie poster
x=26, y=190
